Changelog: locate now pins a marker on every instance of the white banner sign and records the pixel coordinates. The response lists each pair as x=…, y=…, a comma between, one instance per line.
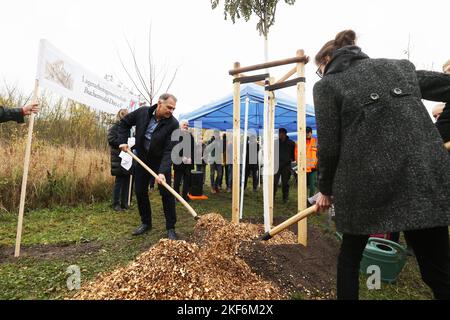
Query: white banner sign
x=64, y=76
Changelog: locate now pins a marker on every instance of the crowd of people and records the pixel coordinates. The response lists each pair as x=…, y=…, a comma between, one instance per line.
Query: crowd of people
x=378, y=158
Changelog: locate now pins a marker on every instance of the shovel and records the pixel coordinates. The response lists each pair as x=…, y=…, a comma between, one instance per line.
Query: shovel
x=289, y=222
x=168, y=187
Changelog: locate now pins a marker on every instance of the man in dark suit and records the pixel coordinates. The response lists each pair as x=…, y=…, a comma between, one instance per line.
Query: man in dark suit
x=154, y=128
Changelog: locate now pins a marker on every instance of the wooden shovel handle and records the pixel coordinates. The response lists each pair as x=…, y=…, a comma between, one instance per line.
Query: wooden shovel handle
x=289, y=222
x=168, y=187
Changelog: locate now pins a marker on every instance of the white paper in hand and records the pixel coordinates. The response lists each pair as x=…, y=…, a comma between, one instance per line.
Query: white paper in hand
x=131, y=142
x=127, y=160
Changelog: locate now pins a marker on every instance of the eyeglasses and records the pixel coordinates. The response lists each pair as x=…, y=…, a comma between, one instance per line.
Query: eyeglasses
x=319, y=71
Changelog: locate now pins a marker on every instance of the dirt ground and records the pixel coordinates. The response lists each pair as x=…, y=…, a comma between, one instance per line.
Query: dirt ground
x=49, y=252
x=310, y=271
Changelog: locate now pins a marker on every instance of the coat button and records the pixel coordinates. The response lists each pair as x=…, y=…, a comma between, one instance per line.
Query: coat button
x=374, y=96
x=397, y=91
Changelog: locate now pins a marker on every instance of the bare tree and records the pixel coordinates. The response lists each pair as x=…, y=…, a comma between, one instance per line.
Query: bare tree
x=149, y=80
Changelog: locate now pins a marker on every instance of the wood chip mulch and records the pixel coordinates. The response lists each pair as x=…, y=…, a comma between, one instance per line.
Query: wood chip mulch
x=206, y=268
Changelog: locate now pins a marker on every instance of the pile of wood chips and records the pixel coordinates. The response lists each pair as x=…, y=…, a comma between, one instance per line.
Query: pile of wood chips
x=206, y=268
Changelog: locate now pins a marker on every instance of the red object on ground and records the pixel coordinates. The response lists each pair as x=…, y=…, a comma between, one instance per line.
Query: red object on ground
x=386, y=236
x=202, y=197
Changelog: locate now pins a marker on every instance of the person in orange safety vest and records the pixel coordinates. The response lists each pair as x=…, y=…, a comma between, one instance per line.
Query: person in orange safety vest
x=311, y=162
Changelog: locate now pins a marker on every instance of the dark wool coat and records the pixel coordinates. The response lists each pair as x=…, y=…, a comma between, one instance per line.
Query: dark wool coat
x=11, y=114
x=443, y=123
x=116, y=168
x=159, y=155
x=380, y=155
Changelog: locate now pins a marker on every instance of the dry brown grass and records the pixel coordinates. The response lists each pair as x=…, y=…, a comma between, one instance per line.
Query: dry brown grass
x=70, y=161
x=57, y=175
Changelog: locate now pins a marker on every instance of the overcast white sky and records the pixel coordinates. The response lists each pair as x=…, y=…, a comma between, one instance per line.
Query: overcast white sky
x=193, y=37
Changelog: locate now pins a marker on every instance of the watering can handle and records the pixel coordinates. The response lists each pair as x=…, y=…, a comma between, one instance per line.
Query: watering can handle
x=398, y=247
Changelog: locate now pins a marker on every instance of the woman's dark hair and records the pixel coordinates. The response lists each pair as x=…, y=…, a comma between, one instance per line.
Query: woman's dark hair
x=342, y=39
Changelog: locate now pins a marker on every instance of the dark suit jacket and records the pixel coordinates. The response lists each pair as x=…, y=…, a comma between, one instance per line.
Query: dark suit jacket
x=11, y=114
x=161, y=144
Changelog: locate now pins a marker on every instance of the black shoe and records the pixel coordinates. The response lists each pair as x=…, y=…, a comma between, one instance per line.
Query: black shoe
x=141, y=229
x=171, y=234
x=285, y=200
x=117, y=208
x=126, y=207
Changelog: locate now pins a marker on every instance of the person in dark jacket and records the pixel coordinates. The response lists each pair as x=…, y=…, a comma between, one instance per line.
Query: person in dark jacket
x=183, y=167
x=286, y=154
x=251, y=162
x=382, y=159
x=18, y=114
x=122, y=181
x=214, y=153
x=154, y=128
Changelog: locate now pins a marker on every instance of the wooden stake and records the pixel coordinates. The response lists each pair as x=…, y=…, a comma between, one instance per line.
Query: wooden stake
x=236, y=147
x=301, y=152
x=165, y=185
x=271, y=129
x=26, y=165
x=267, y=65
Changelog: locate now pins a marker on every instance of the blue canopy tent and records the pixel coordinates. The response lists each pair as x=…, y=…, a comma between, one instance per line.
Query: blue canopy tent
x=219, y=114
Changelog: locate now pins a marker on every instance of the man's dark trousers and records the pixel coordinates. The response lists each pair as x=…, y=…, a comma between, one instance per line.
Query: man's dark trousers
x=142, y=181
x=285, y=174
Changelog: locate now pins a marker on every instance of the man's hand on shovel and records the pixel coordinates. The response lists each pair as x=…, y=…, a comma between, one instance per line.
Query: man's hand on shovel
x=161, y=179
x=124, y=147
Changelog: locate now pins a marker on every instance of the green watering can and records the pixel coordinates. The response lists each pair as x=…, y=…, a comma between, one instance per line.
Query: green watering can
x=388, y=255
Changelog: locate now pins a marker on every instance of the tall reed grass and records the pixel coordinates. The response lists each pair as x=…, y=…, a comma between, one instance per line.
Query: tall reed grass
x=70, y=161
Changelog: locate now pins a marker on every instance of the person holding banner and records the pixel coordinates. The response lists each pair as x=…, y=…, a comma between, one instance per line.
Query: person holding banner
x=154, y=128
x=18, y=114
x=122, y=181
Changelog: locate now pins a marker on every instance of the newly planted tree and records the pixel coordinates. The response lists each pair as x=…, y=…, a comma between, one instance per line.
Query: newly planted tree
x=264, y=9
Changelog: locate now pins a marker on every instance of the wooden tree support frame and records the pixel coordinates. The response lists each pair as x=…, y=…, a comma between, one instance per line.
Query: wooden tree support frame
x=300, y=60
x=287, y=75
x=285, y=84
x=266, y=65
x=250, y=79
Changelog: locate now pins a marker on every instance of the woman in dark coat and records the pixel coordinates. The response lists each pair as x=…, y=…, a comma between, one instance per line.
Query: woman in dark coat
x=382, y=159
x=443, y=123
x=121, y=185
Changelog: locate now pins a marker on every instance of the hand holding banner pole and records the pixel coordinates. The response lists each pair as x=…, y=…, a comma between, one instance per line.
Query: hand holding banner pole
x=25, y=173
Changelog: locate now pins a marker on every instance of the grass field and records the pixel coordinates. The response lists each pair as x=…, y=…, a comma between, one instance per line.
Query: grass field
x=97, y=239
